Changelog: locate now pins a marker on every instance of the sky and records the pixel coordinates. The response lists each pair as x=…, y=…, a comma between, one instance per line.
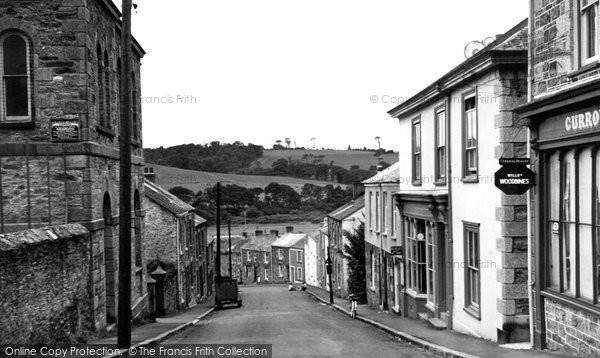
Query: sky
x=265, y=70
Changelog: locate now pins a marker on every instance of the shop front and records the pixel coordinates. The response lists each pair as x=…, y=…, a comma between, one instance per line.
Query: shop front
x=425, y=233
x=566, y=212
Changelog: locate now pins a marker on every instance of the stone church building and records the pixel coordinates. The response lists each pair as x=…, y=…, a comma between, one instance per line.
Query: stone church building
x=60, y=63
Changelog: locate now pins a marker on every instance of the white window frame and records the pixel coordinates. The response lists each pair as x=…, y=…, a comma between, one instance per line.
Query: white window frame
x=280, y=269
x=370, y=210
x=377, y=218
x=471, y=136
x=4, y=118
x=585, y=6
x=384, y=212
x=298, y=273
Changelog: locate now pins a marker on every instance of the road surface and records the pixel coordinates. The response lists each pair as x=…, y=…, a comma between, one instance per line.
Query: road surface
x=297, y=325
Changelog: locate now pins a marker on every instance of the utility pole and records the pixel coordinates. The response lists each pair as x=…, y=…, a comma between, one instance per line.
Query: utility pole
x=229, y=234
x=328, y=266
x=124, y=311
x=218, y=258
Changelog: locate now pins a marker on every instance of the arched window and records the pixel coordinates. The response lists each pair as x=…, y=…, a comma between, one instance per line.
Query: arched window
x=106, y=84
x=100, y=96
x=15, y=74
x=134, y=106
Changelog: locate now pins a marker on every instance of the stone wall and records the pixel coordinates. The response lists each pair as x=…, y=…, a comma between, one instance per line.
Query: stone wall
x=44, y=285
x=553, y=49
x=572, y=330
x=160, y=239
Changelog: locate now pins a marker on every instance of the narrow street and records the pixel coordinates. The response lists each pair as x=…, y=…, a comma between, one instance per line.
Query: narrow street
x=296, y=325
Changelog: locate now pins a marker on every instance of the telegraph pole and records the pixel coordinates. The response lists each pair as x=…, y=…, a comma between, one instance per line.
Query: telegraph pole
x=328, y=266
x=218, y=258
x=124, y=311
x=229, y=234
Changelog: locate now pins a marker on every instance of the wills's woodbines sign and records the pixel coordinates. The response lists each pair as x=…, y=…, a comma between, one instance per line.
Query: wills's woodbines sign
x=514, y=179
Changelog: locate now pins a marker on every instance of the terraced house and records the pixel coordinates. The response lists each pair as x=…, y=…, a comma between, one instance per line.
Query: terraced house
x=563, y=114
x=383, y=243
x=60, y=64
x=464, y=241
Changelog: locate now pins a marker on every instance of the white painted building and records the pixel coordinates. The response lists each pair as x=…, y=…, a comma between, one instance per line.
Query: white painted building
x=464, y=240
x=310, y=260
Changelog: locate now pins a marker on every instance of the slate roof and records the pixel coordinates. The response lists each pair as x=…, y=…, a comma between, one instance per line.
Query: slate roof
x=348, y=209
x=165, y=199
x=198, y=220
x=290, y=240
x=390, y=174
x=260, y=243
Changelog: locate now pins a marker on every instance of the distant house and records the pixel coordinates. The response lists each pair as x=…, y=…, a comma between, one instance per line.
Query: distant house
x=172, y=242
x=256, y=260
x=383, y=241
x=345, y=218
x=311, y=263
x=287, y=262
x=237, y=268
x=322, y=250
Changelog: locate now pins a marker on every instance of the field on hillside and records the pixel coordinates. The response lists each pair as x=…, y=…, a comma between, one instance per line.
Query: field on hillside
x=169, y=177
x=342, y=158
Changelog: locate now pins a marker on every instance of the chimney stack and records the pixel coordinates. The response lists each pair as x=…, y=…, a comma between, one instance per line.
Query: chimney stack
x=149, y=174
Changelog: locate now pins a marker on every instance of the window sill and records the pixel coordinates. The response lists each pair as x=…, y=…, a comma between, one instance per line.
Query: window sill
x=473, y=311
x=105, y=131
x=135, y=143
x=17, y=125
x=583, y=69
x=414, y=294
x=416, y=182
x=470, y=179
x=440, y=182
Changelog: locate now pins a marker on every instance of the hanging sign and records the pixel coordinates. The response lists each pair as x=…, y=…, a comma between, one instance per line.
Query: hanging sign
x=514, y=179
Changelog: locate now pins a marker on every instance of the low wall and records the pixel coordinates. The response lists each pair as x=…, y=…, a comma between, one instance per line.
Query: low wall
x=44, y=291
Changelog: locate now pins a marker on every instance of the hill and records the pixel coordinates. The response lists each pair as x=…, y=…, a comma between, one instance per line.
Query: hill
x=169, y=177
x=342, y=158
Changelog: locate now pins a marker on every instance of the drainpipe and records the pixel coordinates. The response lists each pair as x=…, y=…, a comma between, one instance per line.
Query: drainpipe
x=530, y=279
x=449, y=179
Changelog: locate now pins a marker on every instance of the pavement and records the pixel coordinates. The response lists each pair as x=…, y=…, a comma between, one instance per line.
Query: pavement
x=447, y=343
x=296, y=326
x=164, y=327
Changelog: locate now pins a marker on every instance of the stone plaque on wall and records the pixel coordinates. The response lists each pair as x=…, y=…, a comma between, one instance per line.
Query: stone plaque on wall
x=65, y=131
